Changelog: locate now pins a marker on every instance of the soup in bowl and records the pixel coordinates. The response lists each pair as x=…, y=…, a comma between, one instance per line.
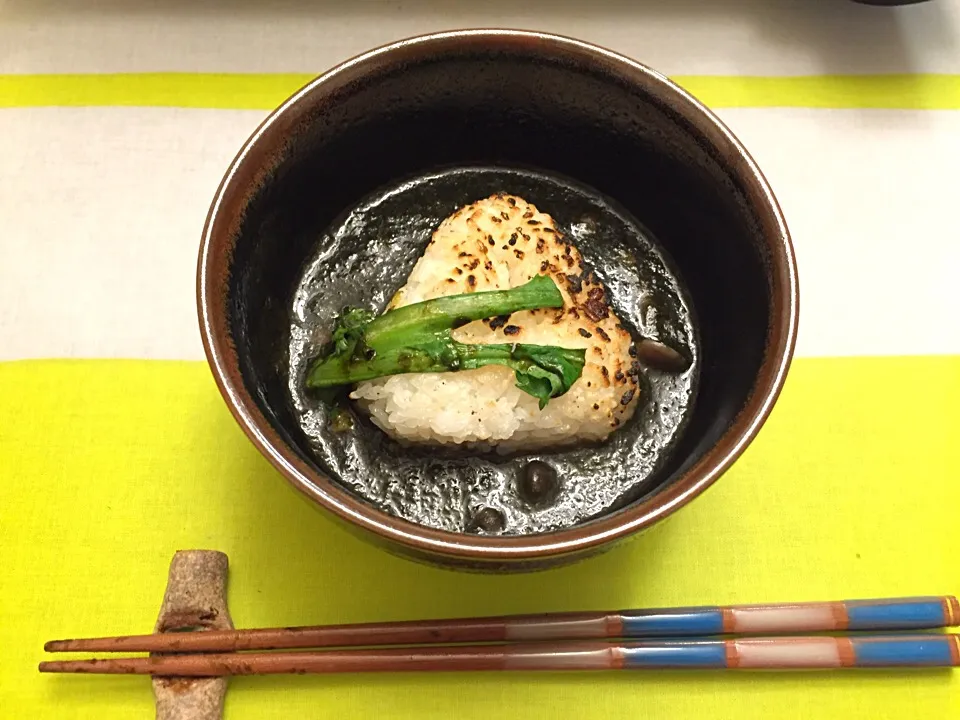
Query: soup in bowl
x=497, y=299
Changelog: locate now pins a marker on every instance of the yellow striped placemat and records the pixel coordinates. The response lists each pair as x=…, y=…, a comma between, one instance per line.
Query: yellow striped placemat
x=265, y=91
x=110, y=466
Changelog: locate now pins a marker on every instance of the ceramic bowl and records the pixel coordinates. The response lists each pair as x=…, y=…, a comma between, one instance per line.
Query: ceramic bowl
x=515, y=98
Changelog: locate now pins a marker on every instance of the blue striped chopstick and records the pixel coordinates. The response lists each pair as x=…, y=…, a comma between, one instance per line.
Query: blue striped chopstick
x=896, y=613
x=891, y=614
x=785, y=653
x=771, y=653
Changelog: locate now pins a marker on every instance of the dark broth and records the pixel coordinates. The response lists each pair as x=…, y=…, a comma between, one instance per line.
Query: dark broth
x=366, y=256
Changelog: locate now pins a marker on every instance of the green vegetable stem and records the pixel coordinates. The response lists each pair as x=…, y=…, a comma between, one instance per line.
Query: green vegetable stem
x=417, y=338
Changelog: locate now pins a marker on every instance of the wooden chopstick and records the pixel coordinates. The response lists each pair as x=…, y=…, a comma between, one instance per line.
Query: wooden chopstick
x=890, y=614
x=771, y=653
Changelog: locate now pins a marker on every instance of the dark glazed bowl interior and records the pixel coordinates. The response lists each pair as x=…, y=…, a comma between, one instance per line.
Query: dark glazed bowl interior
x=515, y=99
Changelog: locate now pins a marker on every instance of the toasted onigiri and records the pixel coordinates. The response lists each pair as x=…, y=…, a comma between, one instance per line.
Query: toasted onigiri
x=499, y=243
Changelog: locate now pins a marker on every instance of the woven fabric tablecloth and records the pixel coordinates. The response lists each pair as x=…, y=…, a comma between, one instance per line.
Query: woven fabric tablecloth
x=117, y=120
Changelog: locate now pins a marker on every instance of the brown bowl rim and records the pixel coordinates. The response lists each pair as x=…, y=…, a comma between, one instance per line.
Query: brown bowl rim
x=223, y=360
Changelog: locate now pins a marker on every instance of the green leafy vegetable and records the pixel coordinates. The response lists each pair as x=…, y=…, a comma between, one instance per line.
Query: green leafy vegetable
x=417, y=338
x=349, y=328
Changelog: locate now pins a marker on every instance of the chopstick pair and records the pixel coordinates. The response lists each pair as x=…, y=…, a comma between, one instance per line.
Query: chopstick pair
x=561, y=641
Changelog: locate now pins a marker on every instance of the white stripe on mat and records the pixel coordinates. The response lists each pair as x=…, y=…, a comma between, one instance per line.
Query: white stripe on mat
x=725, y=37
x=102, y=211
